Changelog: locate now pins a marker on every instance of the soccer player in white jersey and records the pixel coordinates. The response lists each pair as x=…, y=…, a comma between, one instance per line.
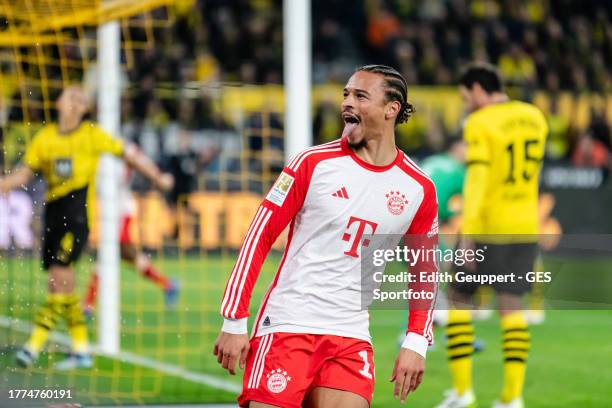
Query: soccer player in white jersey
x=131, y=253
x=310, y=342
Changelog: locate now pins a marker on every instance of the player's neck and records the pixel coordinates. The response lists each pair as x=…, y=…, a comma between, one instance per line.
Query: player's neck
x=68, y=125
x=497, y=97
x=379, y=151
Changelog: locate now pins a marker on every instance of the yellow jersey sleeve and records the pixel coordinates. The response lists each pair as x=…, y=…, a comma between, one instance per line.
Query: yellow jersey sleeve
x=35, y=152
x=478, y=160
x=477, y=148
x=105, y=143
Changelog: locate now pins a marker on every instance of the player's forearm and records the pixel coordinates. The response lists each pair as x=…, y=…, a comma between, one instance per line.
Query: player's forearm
x=419, y=333
x=18, y=178
x=237, y=297
x=423, y=234
x=262, y=233
x=268, y=223
x=239, y=288
x=142, y=164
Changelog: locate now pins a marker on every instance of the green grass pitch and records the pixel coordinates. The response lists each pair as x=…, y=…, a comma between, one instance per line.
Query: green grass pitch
x=569, y=363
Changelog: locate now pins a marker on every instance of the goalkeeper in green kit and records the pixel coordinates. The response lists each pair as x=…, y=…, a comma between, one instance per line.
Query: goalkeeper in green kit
x=447, y=171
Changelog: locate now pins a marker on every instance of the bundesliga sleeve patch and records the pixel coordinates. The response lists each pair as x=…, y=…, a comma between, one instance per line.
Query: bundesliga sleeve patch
x=278, y=193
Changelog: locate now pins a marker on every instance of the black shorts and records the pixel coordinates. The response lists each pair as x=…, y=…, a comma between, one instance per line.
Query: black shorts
x=65, y=230
x=502, y=259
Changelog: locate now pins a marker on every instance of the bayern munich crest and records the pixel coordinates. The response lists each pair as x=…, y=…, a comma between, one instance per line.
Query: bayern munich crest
x=396, y=202
x=277, y=380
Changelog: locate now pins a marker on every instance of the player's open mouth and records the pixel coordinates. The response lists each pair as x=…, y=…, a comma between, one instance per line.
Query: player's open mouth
x=350, y=118
x=351, y=121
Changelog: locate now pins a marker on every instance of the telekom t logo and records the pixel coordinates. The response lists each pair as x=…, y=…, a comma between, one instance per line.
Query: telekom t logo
x=356, y=238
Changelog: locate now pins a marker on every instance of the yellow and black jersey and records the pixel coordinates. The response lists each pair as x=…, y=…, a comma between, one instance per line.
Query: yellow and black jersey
x=505, y=147
x=68, y=162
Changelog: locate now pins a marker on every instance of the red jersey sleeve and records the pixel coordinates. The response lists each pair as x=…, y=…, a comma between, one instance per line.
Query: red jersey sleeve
x=423, y=233
x=282, y=203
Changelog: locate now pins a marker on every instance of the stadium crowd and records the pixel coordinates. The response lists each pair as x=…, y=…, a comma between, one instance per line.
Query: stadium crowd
x=560, y=45
x=171, y=108
x=537, y=44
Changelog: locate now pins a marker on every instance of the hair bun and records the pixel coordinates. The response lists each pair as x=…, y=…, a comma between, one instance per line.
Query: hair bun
x=406, y=112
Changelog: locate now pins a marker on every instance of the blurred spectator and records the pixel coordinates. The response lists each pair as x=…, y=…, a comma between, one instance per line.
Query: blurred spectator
x=328, y=123
x=453, y=50
x=432, y=10
x=552, y=83
x=517, y=67
x=207, y=67
x=382, y=27
x=265, y=142
x=485, y=9
x=557, y=143
x=333, y=42
x=410, y=136
x=429, y=63
x=590, y=152
x=404, y=61
x=185, y=164
x=599, y=128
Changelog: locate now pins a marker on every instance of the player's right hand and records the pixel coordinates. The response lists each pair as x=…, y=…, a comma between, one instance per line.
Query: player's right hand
x=407, y=373
x=230, y=348
x=165, y=182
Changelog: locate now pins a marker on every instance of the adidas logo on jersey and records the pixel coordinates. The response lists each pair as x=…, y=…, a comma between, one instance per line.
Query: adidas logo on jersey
x=266, y=321
x=341, y=193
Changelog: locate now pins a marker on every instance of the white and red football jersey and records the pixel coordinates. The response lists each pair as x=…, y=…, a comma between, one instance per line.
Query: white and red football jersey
x=126, y=199
x=332, y=200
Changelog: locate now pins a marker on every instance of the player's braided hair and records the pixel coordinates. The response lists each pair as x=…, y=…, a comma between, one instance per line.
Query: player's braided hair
x=396, y=89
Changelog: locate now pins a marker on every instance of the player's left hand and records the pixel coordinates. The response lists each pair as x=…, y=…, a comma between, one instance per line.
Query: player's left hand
x=407, y=373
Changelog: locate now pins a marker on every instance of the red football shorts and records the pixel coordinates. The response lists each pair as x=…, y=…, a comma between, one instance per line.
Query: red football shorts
x=282, y=368
x=124, y=235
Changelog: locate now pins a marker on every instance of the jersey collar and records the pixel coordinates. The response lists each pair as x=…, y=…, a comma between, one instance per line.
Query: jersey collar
x=366, y=165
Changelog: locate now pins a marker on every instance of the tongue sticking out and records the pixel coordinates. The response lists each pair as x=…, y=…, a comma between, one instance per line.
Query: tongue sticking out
x=349, y=128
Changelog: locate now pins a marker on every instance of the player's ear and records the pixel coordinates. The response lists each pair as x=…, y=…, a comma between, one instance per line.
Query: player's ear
x=478, y=90
x=392, y=109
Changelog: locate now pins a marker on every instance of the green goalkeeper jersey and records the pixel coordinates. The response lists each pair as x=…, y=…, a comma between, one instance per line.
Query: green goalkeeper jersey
x=447, y=174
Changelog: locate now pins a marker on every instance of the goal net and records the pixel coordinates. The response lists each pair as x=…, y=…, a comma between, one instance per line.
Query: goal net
x=223, y=140
x=46, y=45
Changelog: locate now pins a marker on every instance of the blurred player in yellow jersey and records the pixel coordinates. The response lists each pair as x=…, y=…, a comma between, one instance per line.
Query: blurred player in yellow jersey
x=66, y=155
x=504, y=149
